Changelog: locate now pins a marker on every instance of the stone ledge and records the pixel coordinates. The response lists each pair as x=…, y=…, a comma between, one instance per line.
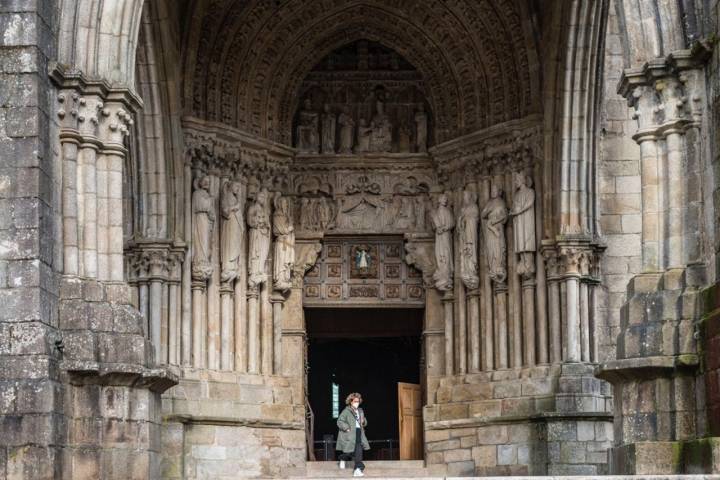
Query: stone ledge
x=119, y=374
x=535, y=418
x=647, y=367
x=232, y=421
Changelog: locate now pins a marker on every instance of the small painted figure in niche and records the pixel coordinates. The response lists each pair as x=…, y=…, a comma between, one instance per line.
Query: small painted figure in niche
x=362, y=259
x=308, y=138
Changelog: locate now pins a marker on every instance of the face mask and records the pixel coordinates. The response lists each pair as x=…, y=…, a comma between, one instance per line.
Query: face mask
x=355, y=404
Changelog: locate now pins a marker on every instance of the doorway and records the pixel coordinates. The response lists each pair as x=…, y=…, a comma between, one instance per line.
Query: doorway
x=373, y=351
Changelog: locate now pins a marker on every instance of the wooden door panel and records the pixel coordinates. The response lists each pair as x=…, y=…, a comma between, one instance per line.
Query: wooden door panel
x=410, y=421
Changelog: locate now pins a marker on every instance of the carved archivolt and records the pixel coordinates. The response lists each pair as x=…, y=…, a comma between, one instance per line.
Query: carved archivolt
x=248, y=59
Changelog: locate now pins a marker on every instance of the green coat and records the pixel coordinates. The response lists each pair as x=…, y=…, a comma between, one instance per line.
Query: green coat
x=346, y=433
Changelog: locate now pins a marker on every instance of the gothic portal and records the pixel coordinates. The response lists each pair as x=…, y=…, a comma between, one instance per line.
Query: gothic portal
x=503, y=212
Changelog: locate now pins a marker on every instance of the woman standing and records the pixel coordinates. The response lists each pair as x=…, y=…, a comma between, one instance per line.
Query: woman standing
x=351, y=435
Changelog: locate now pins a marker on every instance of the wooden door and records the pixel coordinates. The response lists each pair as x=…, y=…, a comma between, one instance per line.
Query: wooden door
x=410, y=420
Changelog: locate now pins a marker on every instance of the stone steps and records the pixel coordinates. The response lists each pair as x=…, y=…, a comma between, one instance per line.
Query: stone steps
x=374, y=469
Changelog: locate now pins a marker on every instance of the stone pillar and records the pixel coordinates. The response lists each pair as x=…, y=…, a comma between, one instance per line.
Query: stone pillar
x=571, y=256
x=501, y=326
x=198, y=323
x=656, y=376
x=528, y=309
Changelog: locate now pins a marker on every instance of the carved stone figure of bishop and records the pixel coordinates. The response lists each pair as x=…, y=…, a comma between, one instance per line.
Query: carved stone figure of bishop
x=443, y=224
x=258, y=220
x=203, y=223
x=468, y=232
x=523, y=213
x=328, y=130
x=495, y=215
x=284, y=258
x=232, y=205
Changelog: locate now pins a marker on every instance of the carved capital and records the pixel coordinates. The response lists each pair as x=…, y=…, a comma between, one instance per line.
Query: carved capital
x=574, y=260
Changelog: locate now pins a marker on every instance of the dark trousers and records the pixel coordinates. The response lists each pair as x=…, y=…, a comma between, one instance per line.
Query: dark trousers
x=358, y=453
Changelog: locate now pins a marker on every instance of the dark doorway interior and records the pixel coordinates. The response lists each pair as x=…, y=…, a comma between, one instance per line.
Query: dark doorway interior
x=365, y=350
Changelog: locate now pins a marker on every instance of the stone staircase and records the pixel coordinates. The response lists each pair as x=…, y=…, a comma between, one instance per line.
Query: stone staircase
x=395, y=469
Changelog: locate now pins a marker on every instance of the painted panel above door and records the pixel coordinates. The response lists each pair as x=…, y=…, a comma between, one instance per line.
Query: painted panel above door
x=368, y=271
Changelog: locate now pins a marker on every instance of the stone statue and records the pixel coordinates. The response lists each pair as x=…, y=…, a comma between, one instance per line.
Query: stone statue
x=233, y=227
x=404, y=139
x=328, y=130
x=381, y=130
x=495, y=216
x=258, y=220
x=364, y=134
x=307, y=129
x=325, y=214
x=421, y=129
x=347, y=130
x=443, y=224
x=284, y=232
x=203, y=223
x=523, y=213
x=468, y=230
x=306, y=222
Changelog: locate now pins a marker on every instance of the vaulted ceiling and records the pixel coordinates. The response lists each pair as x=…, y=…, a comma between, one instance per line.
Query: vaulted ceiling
x=244, y=60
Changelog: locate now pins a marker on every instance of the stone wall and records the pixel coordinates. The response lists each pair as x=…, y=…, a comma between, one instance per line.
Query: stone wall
x=546, y=420
x=619, y=189
x=228, y=424
x=31, y=416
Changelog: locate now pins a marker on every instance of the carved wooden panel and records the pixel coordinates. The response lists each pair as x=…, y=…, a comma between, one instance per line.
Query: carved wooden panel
x=360, y=270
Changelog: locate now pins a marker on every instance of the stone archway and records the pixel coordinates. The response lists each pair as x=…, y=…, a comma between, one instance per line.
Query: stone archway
x=104, y=313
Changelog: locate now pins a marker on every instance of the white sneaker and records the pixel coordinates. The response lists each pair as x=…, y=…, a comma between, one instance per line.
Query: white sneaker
x=358, y=473
x=341, y=464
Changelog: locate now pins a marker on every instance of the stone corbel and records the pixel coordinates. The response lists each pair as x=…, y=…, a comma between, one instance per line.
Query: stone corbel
x=307, y=251
x=420, y=253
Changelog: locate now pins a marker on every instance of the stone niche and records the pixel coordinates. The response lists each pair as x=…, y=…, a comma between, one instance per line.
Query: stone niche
x=362, y=98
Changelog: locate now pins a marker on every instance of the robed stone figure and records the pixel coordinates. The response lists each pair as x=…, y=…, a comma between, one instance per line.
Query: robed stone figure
x=328, y=130
x=443, y=224
x=258, y=220
x=421, y=129
x=347, y=130
x=468, y=233
x=495, y=215
x=523, y=213
x=233, y=227
x=203, y=223
x=308, y=138
x=284, y=232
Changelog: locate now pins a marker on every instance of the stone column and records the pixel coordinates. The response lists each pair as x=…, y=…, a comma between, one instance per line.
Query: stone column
x=69, y=143
x=448, y=299
x=528, y=309
x=554, y=312
x=253, y=310
x=501, y=325
x=473, y=302
x=571, y=257
x=198, y=323
x=277, y=300
x=227, y=326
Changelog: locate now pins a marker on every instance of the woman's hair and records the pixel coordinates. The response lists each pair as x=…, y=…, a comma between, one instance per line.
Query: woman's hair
x=352, y=396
